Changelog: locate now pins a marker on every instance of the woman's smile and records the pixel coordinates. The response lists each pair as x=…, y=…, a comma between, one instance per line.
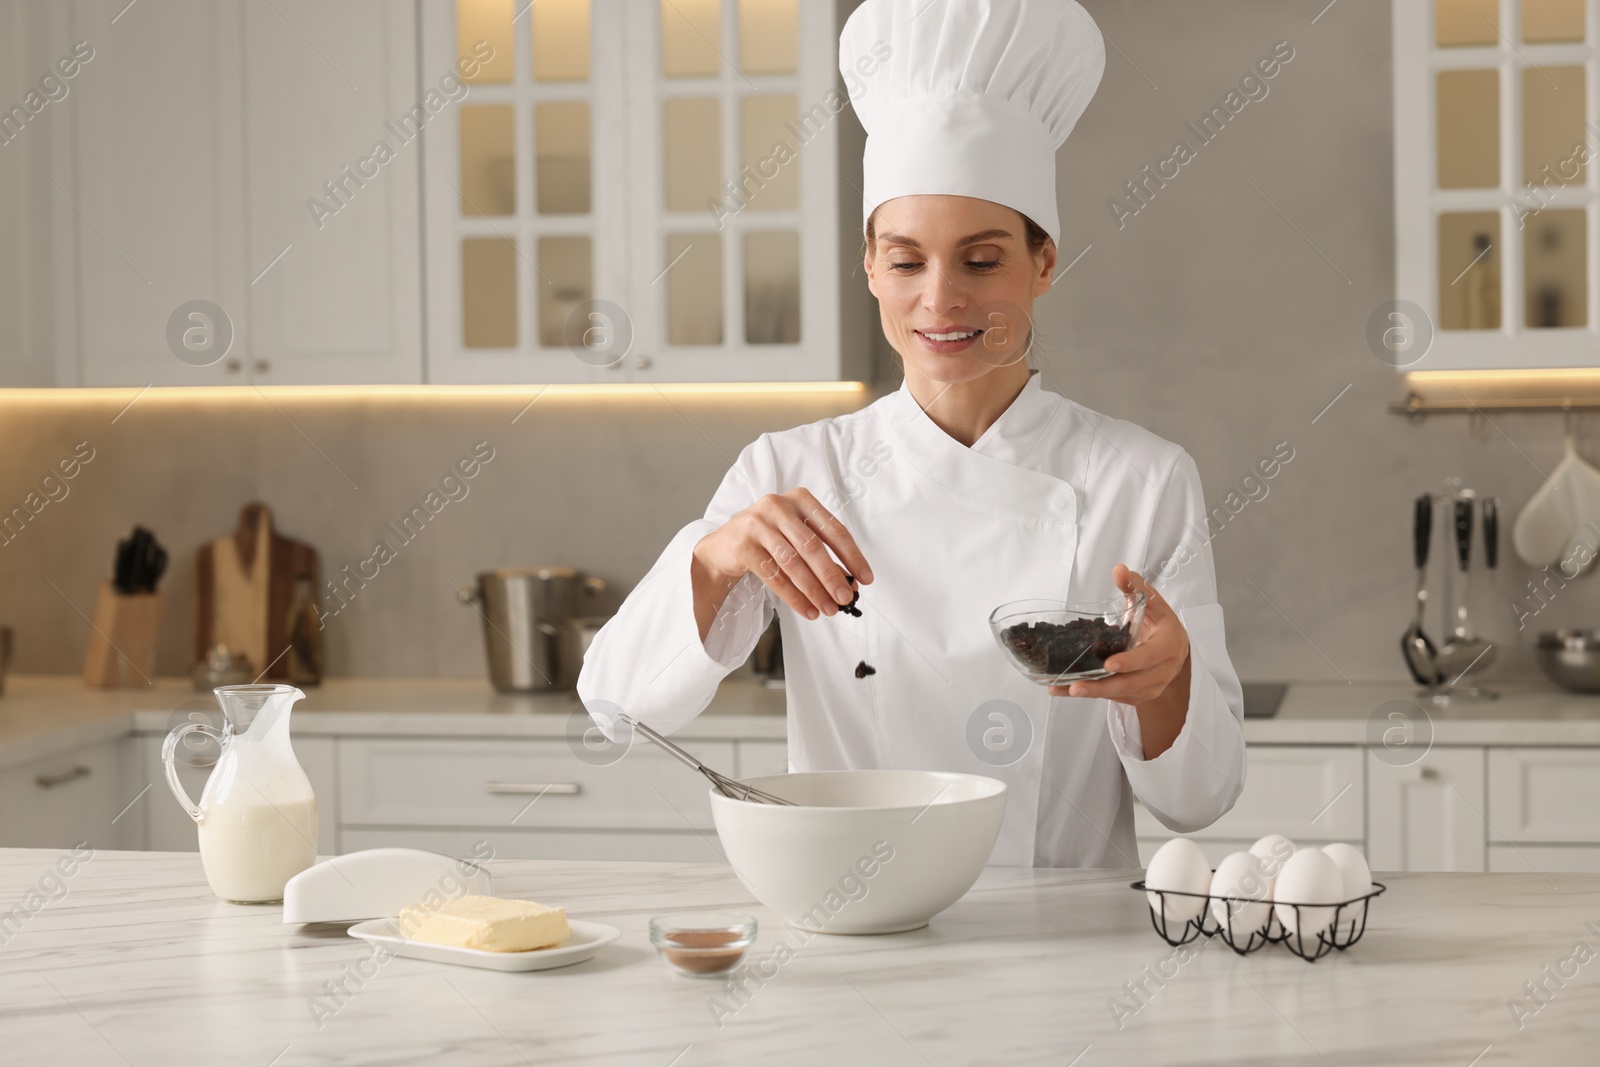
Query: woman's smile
x=948, y=340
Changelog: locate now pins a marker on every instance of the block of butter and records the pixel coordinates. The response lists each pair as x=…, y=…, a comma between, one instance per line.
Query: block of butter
x=488, y=924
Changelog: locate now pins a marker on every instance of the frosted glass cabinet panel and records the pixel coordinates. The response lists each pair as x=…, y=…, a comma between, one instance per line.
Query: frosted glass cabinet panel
x=1469, y=129
x=1553, y=21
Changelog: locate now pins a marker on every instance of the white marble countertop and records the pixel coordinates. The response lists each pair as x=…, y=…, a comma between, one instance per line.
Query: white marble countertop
x=137, y=964
x=44, y=715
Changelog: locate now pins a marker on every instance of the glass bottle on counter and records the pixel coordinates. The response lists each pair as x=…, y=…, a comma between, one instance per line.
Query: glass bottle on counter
x=305, y=635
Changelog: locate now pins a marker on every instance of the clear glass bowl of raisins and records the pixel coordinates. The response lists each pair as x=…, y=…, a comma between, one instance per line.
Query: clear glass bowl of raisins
x=1053, y=643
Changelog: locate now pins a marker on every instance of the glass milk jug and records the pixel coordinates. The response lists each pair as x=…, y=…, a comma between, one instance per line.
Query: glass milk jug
x=257, y=814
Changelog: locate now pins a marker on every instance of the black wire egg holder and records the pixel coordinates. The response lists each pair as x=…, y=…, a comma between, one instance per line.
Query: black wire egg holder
x=1345, y=930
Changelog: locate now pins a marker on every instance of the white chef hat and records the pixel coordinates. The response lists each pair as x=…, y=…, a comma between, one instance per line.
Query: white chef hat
x=973, y=99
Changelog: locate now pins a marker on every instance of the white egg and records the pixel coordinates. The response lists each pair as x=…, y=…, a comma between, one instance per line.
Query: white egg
x=1308, y=877
x=1353, y=869
x=1181, y=867
x=1273, y=851
x=1240, y=874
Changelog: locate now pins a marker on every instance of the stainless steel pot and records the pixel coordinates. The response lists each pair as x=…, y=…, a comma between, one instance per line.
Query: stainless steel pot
x=523, y=611
x=1571, y=658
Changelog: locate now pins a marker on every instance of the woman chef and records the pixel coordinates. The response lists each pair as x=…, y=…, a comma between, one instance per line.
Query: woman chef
x=968, y=487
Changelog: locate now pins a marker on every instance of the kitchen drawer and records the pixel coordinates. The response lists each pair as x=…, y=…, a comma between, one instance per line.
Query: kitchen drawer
x=62, y=800
x=762, y=757
x=426, y=782
x=168, y=828
x=687, y=847
x=1544, y=795
x=1546, y=859
x=1309, y=793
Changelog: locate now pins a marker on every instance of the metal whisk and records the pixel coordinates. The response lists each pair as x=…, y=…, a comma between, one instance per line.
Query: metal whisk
x=728, y=787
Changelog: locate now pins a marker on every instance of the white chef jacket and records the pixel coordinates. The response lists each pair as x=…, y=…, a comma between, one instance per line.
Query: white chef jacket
x=1041, y=506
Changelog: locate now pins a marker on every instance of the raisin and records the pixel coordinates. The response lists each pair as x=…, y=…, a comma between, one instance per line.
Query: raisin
x=1075, y=647
x=850, y=608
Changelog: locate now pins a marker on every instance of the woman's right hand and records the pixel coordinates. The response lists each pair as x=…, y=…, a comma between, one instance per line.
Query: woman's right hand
x=783, y=538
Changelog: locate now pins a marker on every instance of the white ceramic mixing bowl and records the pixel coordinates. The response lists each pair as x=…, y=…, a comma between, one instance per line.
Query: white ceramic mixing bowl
x=862, y=852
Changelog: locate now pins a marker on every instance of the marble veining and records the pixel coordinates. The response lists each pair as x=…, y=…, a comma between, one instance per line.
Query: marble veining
x=136, y=963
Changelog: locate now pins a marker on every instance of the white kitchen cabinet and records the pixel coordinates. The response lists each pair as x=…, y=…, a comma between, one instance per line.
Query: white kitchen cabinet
x=761, y=757
x=196, y=179
x=325, y=89
x=168, y=828
x=530, y=784
x=664, y=179
x=1309, y=793
x=26, y=344
x=1544, y=795
x=149, y=209
x=1427, y=816
x=61, y=800
x=1550, y=860
x=1494, y=214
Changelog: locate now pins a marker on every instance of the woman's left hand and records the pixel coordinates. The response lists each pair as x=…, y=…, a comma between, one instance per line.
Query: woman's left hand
x=1145, y=672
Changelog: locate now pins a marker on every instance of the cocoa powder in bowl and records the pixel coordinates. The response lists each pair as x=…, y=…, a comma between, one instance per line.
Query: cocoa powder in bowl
x=703, y=943
x=704, y=962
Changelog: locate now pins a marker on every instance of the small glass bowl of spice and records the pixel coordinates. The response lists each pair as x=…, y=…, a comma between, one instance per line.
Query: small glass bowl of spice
x=703, y=944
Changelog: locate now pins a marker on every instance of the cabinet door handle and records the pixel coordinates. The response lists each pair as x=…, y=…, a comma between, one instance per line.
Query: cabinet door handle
x=50, y=781
x=1428, y=774
x=536, y=788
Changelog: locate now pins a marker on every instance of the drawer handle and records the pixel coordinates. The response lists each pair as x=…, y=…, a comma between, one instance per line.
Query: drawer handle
x=50, y=781
x=537, y=788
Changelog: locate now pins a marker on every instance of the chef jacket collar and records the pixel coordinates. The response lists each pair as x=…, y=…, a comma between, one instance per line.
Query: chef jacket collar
x=1003, y=467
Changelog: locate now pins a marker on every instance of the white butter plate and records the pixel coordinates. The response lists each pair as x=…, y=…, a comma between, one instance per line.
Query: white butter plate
x=585, y=940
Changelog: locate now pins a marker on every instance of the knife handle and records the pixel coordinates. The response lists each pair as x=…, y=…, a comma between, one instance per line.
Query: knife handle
x=1491, y=532
x=1463, y=530
x=1422, y=529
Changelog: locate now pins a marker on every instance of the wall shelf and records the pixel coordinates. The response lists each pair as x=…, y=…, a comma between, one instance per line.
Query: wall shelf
x=1415, y=407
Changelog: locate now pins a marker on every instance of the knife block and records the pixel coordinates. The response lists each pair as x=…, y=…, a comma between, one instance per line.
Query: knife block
x=122, y=641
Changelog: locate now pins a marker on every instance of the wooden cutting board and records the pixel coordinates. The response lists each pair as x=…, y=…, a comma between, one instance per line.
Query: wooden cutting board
x=245, y=585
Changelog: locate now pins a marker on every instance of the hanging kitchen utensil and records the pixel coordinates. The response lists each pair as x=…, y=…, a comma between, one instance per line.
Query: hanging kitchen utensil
x=1491, y=535
x=1563, y=513
x=728, y=787
x=1463, y=652
x=1417, y=647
